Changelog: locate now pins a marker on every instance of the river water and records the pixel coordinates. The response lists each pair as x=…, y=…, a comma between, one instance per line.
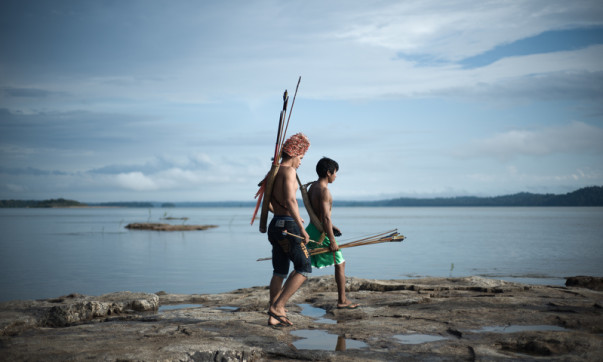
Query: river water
x=52, y=252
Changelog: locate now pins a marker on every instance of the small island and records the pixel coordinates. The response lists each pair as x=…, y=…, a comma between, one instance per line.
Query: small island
x=51, y=203
x=167, y=227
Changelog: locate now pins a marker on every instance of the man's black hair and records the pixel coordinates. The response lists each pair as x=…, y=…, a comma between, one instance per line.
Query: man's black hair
x=325, y=165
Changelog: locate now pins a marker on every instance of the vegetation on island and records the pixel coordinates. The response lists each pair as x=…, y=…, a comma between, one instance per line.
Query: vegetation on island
x=587, y=196
x=167, y=227
x=143, y=204
x=40, y=204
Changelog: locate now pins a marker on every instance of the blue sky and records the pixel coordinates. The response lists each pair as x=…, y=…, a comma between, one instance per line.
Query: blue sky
x=179, y=100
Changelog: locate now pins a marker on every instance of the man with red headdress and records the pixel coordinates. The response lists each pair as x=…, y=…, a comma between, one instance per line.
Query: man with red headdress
x=286, y=248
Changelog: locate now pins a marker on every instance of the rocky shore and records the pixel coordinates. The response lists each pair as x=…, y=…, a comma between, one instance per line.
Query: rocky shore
x=431, y=319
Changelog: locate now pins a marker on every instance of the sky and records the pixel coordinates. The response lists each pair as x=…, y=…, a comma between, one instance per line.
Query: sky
x=175, y=101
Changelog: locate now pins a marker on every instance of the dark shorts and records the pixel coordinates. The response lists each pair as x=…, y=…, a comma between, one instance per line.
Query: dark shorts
x=287, y=248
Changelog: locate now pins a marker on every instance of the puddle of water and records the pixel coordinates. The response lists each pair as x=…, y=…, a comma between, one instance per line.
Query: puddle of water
x=163, y=308
x=417, y=338
x=228, y=308
x=321, y=340
x=316, y=313
x=517, y=328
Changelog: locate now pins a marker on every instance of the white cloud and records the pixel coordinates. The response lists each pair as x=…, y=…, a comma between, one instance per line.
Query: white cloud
x=16, y=150
x=16, y=188
x=454, y=30
x=111, y=100
x=177, y=177
x=583, y=60
x=570, y=138
x=356, y=71
x=136, y=181
x=345, y=52
x=195, y=172
x=202, y=159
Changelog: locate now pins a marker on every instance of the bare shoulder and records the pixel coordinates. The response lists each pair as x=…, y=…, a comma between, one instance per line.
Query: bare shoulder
x=317, y=191
x=288, y=175
x=287, y=171
x=325, y=194
x=283, y=170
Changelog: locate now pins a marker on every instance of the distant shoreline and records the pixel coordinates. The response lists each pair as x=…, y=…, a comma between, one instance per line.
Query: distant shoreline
x=587, y=196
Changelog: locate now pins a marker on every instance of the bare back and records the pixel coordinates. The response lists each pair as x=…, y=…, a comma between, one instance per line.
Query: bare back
x=285, y=187
x=321, y=200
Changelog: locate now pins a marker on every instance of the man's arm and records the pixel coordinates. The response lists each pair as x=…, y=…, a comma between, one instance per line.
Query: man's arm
x=290, y=188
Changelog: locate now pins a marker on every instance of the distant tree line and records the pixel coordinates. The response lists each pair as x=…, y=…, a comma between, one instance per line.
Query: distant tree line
x=42, y=204
x=587, y=196
x=146, y=205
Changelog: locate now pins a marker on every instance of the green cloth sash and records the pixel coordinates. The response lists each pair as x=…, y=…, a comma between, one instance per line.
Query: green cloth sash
x=325, y=259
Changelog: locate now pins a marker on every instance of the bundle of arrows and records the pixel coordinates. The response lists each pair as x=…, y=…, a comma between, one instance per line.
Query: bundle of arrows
x=384, y=237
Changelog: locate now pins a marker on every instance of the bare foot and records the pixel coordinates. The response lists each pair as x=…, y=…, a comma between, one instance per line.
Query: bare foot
x=270, y=305
x=276, y=320
x=348, y=305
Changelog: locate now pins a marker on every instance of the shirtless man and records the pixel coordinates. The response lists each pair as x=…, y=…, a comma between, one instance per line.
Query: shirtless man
x=322, y=202
x=286, y=248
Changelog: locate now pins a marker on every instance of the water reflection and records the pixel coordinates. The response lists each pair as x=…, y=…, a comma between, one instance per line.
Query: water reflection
x=518, y=328
x=417, y=338
x=163, y=308
x=321, y=340
x=228, y=308
x=341, y=345
x=316, y=313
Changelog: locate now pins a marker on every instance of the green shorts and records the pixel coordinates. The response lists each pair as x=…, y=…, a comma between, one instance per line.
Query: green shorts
x=325, y=259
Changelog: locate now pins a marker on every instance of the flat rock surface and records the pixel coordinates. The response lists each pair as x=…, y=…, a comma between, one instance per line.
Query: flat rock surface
x=431, y=319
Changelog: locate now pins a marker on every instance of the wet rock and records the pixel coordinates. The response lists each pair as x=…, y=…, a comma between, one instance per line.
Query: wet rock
x=595, y=283
x=419, y=319
x=17, y=316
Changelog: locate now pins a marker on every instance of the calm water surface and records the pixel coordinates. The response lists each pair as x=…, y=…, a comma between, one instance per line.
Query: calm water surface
x=51, y=252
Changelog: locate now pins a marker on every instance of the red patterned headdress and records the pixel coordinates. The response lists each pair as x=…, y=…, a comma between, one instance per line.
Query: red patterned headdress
x=296, y=145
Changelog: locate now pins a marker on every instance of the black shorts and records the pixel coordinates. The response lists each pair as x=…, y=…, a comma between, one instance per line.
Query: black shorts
x=287, y=248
